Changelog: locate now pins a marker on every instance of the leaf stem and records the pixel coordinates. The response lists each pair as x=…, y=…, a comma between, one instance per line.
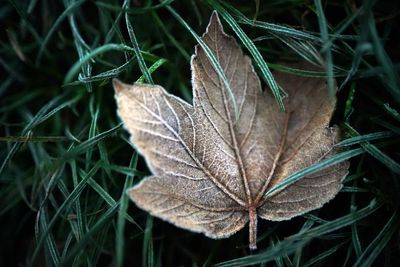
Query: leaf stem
x=253, y=228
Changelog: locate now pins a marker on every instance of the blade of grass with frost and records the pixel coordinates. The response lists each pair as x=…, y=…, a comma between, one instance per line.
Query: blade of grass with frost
x=106, y=196
x=132, y=36
x=338, y=33
x=291, y=243
x=354, y=228
x=357, y=175
x=147, y=248
x=362, y=48
x=103, y=194
x=287, y=260
x=322, y=256
x=148, y=8
x=327, y=50
x=353, y=207
x=271, y=27
x=71, y=8
x=82, y=49
x=170, y=37
x=122, y=213
x=136, y=10
x=298, y=253
x=210, y=56
x=340, y=222
x=379, y=243
x=78, y=211
x=20, y=190
x=211, y=255
x=83, y=146
x=106, y=74
x=367, y=32
x=303, y=48
x=125, y=170
x=296, y=176
x=67, y=244
x=74, y=70
x=374, y=71
x=103, y=221
x=348, y=109
x=260, y=62
x=363, y=45
x=375, y=152
x=35, y=139
x=365, y=138
x=354, y=189
x=52, y=112
x=67, y=202
x=104, y=157
x=153, y=68
x=278, y=259
x=51, y=251
x=42, y=115
x=391, y=111
x=80, y=43
x=115, y=27
x=54, y=179
x=76, y=227
x=94, y=114
x=305, y=73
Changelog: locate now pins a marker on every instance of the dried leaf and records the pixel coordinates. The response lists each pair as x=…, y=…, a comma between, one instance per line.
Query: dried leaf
x=211, y=168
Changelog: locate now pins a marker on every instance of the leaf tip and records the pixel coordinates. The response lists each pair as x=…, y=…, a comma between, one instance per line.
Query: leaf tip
x=118, y=85
x=215, y=23
x=214, y=17
x=130, y=192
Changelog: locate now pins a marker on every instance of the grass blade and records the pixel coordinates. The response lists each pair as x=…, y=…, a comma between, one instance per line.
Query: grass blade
x=82, y=147
x=340, y=157
x=376, y=152
x=280, y=30
x=67, y=202
x=42, y=115
x=71, y=8
x=147, y=249
x=99, y=225
x=365, y=138
x=119, y=237
x=74, y=70
x=152, y=68
x=260, y=62
x=292, y=243
x=327, y=50
x=378, y=244
x=210, y=56
x=132, y=36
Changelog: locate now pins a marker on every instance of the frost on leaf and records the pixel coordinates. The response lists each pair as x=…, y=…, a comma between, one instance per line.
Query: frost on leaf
x=212, y=167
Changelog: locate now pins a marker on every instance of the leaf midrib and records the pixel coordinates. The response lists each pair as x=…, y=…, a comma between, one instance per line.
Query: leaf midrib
x=232, y=132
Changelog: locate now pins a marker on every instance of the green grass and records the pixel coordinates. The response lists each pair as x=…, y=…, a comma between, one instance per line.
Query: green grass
x=66, y=163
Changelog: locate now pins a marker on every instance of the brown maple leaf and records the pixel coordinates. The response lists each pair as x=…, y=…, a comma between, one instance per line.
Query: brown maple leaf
x=212, y=167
